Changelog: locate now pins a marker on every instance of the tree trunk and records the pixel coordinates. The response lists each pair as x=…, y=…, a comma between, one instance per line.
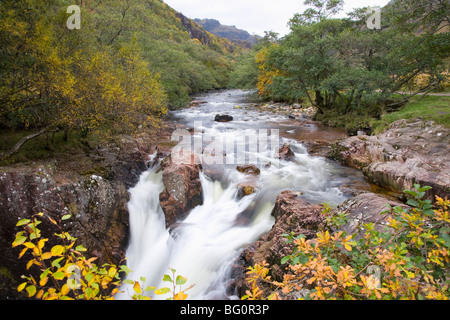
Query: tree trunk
x=19, y=144
x=319, y=100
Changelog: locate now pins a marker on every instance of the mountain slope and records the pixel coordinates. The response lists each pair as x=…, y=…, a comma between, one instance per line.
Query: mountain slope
x=235, y=35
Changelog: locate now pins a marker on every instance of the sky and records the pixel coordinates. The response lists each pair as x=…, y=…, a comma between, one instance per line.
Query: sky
x=255, y=16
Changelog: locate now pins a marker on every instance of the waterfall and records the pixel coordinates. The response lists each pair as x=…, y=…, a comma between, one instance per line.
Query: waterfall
x=204, y=245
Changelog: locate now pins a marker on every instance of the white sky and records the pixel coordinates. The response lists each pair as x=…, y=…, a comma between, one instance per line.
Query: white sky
x=255, y=16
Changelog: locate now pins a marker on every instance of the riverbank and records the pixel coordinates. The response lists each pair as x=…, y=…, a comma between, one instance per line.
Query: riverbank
x=90, y=183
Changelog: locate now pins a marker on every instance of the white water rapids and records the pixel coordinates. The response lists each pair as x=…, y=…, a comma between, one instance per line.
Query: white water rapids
x=204, y=245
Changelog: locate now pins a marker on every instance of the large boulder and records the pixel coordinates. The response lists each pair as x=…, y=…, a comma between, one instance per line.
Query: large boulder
x=223, y=118
x=408, y=153
x=250, y=169
x=183, y=189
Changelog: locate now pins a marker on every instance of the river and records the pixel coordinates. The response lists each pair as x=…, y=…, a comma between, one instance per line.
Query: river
x=203, y=246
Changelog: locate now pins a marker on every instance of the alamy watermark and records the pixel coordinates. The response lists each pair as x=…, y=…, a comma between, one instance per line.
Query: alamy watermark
x=74, y=21
x=239, y=147
x=374, y=19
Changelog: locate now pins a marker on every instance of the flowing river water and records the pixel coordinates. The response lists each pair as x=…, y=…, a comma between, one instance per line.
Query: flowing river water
x=203, y=246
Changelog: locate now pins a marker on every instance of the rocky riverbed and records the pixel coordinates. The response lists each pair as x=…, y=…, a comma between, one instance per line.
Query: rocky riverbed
x=94, y=189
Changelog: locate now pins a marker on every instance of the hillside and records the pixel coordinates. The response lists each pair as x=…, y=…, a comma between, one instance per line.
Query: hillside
x=186, y=58
x=235, y=35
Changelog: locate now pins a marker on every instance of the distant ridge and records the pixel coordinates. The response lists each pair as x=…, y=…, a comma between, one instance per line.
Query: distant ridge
x=235, y=35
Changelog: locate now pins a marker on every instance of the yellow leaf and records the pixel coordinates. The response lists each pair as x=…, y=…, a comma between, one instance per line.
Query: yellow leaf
x=46, y=255
x=137, y=287
x=57, y=250
x=41, y=243
x=180, y=296
x=29, y=245
x=43, y=281
x=21, y=287
x=22, y=252
x=65, y=290
x=112, y=272
x=39, y=294
x=30, y=263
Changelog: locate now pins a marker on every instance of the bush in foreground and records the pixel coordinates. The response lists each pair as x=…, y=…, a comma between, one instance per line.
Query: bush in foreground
x=67, y=274
x=409, y=259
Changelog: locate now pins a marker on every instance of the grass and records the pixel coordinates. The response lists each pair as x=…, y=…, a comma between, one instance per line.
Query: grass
x=435, y=108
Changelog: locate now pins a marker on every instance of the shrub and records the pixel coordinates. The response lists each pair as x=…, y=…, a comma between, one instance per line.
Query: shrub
x=409, y=259
x=67, y=274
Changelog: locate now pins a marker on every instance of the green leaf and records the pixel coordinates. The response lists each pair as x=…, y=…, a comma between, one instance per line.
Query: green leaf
x=20, y=239
x=412, y=203
x=285, y=259
x=424, y=189
x=162, y=291
x=128, y=281
x=149, y=289
x=31, y=291
x=180, y=280
x=23, y=222
x=124, y=268
x=66, y=217
x=57, y=250
x=58, y=275
x=55, y=263
x=80, y=248
x=167, y=278
x=412, y=193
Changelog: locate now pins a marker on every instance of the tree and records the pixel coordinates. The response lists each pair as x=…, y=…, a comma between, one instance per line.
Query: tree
x=342, y=67
x=320, y=10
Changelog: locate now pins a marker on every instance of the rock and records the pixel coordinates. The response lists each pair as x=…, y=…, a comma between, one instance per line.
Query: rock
x=223, y=118
x=196, y=103
x=98, y=208
x=286, y=153
x=408, y=153
x=183, y=190
x=249, y=169
x=292, y=214
x=245, y=189
x=367, y=208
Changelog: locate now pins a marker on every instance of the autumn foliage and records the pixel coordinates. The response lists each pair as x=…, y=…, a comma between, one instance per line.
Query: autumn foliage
x=65, y=273
x=408, y=259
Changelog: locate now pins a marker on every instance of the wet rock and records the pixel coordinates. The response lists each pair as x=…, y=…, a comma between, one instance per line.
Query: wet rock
x=286, y=153
x=249, y=169
x=196, y=103
x=183, y=189
x=223, y=118
x=408, y=153
x=246, y=189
